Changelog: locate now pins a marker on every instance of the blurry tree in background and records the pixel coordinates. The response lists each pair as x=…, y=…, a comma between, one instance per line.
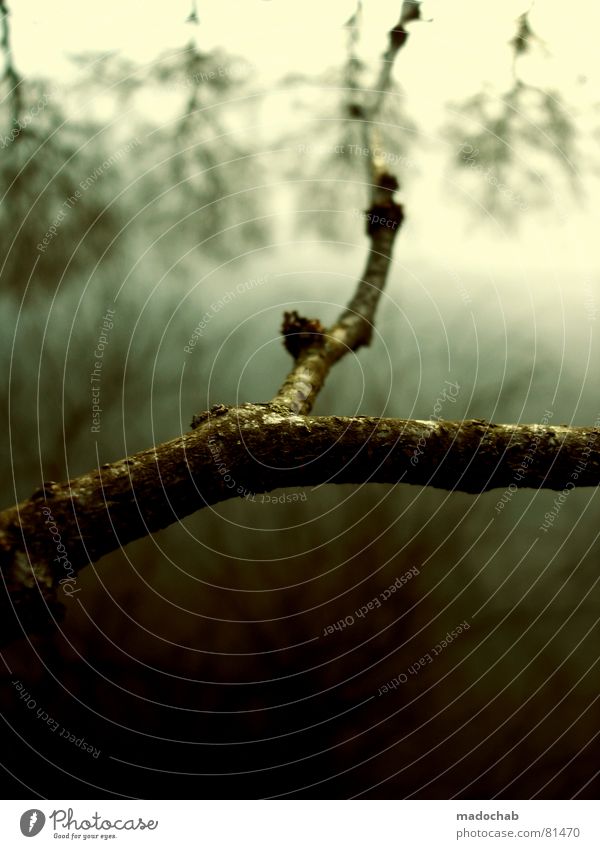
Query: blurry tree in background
x=511, y=136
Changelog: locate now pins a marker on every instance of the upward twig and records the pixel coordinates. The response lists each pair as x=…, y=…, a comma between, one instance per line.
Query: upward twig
x=317, y=349
x=314, y=348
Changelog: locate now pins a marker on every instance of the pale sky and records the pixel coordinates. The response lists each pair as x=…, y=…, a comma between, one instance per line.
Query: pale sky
x=463, y=50
x=467, y=37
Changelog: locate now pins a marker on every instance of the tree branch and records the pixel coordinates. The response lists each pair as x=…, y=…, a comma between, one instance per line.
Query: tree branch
x=256, y=448
x=316, y=349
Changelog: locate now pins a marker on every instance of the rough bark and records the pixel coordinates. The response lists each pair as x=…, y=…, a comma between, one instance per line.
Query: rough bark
x=256, y=448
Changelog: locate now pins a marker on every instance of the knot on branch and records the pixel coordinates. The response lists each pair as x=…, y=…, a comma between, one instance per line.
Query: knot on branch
x=384, y=216
x=300, y=333
x=356, y=111
x=411, y=11
x=384, y=213
x=387, y=183
x=397, y=37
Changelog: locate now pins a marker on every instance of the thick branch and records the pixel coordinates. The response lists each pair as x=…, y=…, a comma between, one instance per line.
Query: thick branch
x=241, y=451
